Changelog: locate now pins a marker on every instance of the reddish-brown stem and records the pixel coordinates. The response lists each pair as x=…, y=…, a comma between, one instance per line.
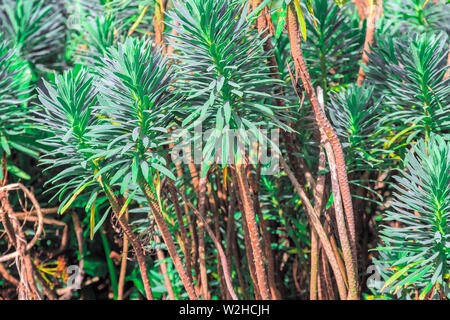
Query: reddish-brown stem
x=315, y=222
x=167, y=238
x=137, y=246
x=27, y=286
x=164, y=270
x=64, y=237
x=158, y=23
x=323, y=123
x=222, y=257
x=186, y=247
x=247, y=244
x=361, y=6
x=232, y=246
x=123, y=267
x=4, y=169
x=373, y=10
x=325, y=276
x=213, y=201
x=192, y=169
x=265, y=236
x=5, y=203
x=349, y=254
x=8, y=277
x=201, y=238
x=319, y=191
x=341, y=226
x=250, y=216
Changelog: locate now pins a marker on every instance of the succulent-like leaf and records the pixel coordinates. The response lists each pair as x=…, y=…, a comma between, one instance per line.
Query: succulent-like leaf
x=410, y=74
x=135, y=106
x=66, y=117
x=333, y=47
x=419, y=250
x=34, y=27
x=14, y=94
x=224, y=74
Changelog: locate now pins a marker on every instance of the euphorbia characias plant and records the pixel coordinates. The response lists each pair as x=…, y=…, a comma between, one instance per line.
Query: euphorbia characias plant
x=152, y=122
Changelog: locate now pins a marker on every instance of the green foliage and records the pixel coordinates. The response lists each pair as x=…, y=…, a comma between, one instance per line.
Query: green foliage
x=67, y=118
x=356, y=115
x=406, y=16
x=98, y=37
x=34, y=27
x=223, y=73
x=418, y=252
x=135, y=103
x=14, y=94
x=123, y=12
x=110, y=120
x=410, y=74
x=333, y=46
x=97, y=25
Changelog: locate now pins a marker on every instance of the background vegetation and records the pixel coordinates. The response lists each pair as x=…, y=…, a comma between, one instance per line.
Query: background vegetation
x=95, y=95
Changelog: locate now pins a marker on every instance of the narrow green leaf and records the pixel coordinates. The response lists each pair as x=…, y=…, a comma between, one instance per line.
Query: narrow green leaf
x=75, y=195
x=18, y=172
x=301, y=18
